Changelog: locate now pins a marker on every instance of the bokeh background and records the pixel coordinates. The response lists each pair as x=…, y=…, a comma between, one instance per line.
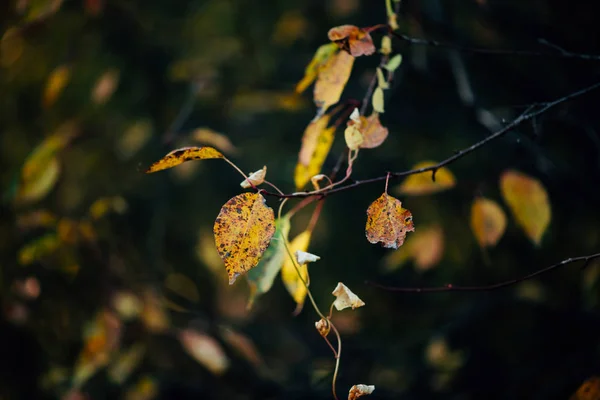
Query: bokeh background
x=106, y=273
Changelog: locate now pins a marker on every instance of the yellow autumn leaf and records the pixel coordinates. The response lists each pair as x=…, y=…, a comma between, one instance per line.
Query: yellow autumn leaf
x=528, y=202
x=332, y=79
x=243, y=230
x=38, y=249
x=182, y=155
x=289, y=274
x=56, y=82
x=425, y=249
x=206, y=350
x=354, y=139
x=422, y=184
x=12, y=45
x=182, y=286
x=377, y=100
x=488, y=221
x=125, y=363
x=320, y=58
x=210, y=137
x=388, y=222
x=316, y=144
x=589, y=390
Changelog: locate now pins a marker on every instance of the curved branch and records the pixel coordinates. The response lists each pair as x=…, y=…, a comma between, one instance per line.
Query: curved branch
x=452, y=288
x=529, y=114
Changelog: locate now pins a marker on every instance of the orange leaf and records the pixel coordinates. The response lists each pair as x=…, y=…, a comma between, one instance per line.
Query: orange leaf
x=243, y=230
x=488, y=221
x=528, y=201
x=388, y=222
x=182, y=155
x=373, y=132
x=589, y=390
x=206, y=350
x=425, y=249
x=352, y=39
x=332, y=79
x=422, y=184
x=55, y=84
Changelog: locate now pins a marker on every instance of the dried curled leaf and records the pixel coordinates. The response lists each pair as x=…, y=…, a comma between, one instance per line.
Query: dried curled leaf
x=323, y=327
x=388, y=222
x=488, y=221
x=182, y=155
x=243, y=230
x=374, y=133
x=354, y=40
x=425, y=249
x=316, y=144
x=322, y=55
x=528, y=201
x=303, y=257
x=360, y=390
x=254, y=179
x=332, y=79
x=262, y=276
x=422, y=184
x=206, y=350
x=293, y=283
x=345, y=298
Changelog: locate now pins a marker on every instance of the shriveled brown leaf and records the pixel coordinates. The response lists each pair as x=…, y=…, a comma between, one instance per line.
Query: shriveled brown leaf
x=179, y=156
x=243, y=230
x=345, y=298
x=332, y=79
x=388, y=222
x=360, y=390
x=352, y=39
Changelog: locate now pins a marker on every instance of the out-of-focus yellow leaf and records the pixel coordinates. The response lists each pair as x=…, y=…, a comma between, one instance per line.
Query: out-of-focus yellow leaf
x=488, y=221
x=101, y=338
x=39, y=9
x=243, y=345
x=125, y=363
x=354, y=139
x=182, y=286
x=41, y=169
x=134, y=138
x=11, y=47
x=386, y=45
x=261, y=277
x=207, y=136
x=67, y=230
x=378, y=101
x=354, y=40
x=332, y=79
x=316, y=144
x=104, y=205
x=153, y=315
x=425, y=248
x=38, y=249
x=344, y=298
x=208, y=255
x=394, y=63
x=388, y=222
x=146, y=388
x=293, y=283
x=319, y=60
x=422, y=184
x=36, y=219
x=266, y=101
x=243, y=230
x=589, y=390
x=381, y=80
x=528, y=202
x=127, y=305
x=206, y=350
x=105, y=86
x=179, y=156
x=290, y=26
x=439, y=355
x=57, y=80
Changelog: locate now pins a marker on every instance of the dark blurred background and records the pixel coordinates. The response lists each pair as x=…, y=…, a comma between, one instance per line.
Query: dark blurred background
x=105, y=271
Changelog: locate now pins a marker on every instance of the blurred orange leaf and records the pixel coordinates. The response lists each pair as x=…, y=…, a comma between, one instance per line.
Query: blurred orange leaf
x=289, y=274
x=425, y=248
x=146, y=388
x=316, y=144
x=374, y=133
x=422, y=184
x=528, y=202
x=105, y=86
x=488, y=221
x=332, y=79
x=182, y=155
x=388, y=222
x=38, y=249
x=213, y=138
x=243, y=231
x=206, y=350
x=319, y=60
x=354, y=40
x=56, y=82
x=125, y=363
x=589, y=390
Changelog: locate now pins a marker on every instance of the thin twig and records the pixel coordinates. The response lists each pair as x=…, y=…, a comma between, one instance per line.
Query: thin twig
x=453, y=288
x=543, y=107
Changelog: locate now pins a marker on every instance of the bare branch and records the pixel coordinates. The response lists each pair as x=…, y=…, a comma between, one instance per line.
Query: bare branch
x=452, y=288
